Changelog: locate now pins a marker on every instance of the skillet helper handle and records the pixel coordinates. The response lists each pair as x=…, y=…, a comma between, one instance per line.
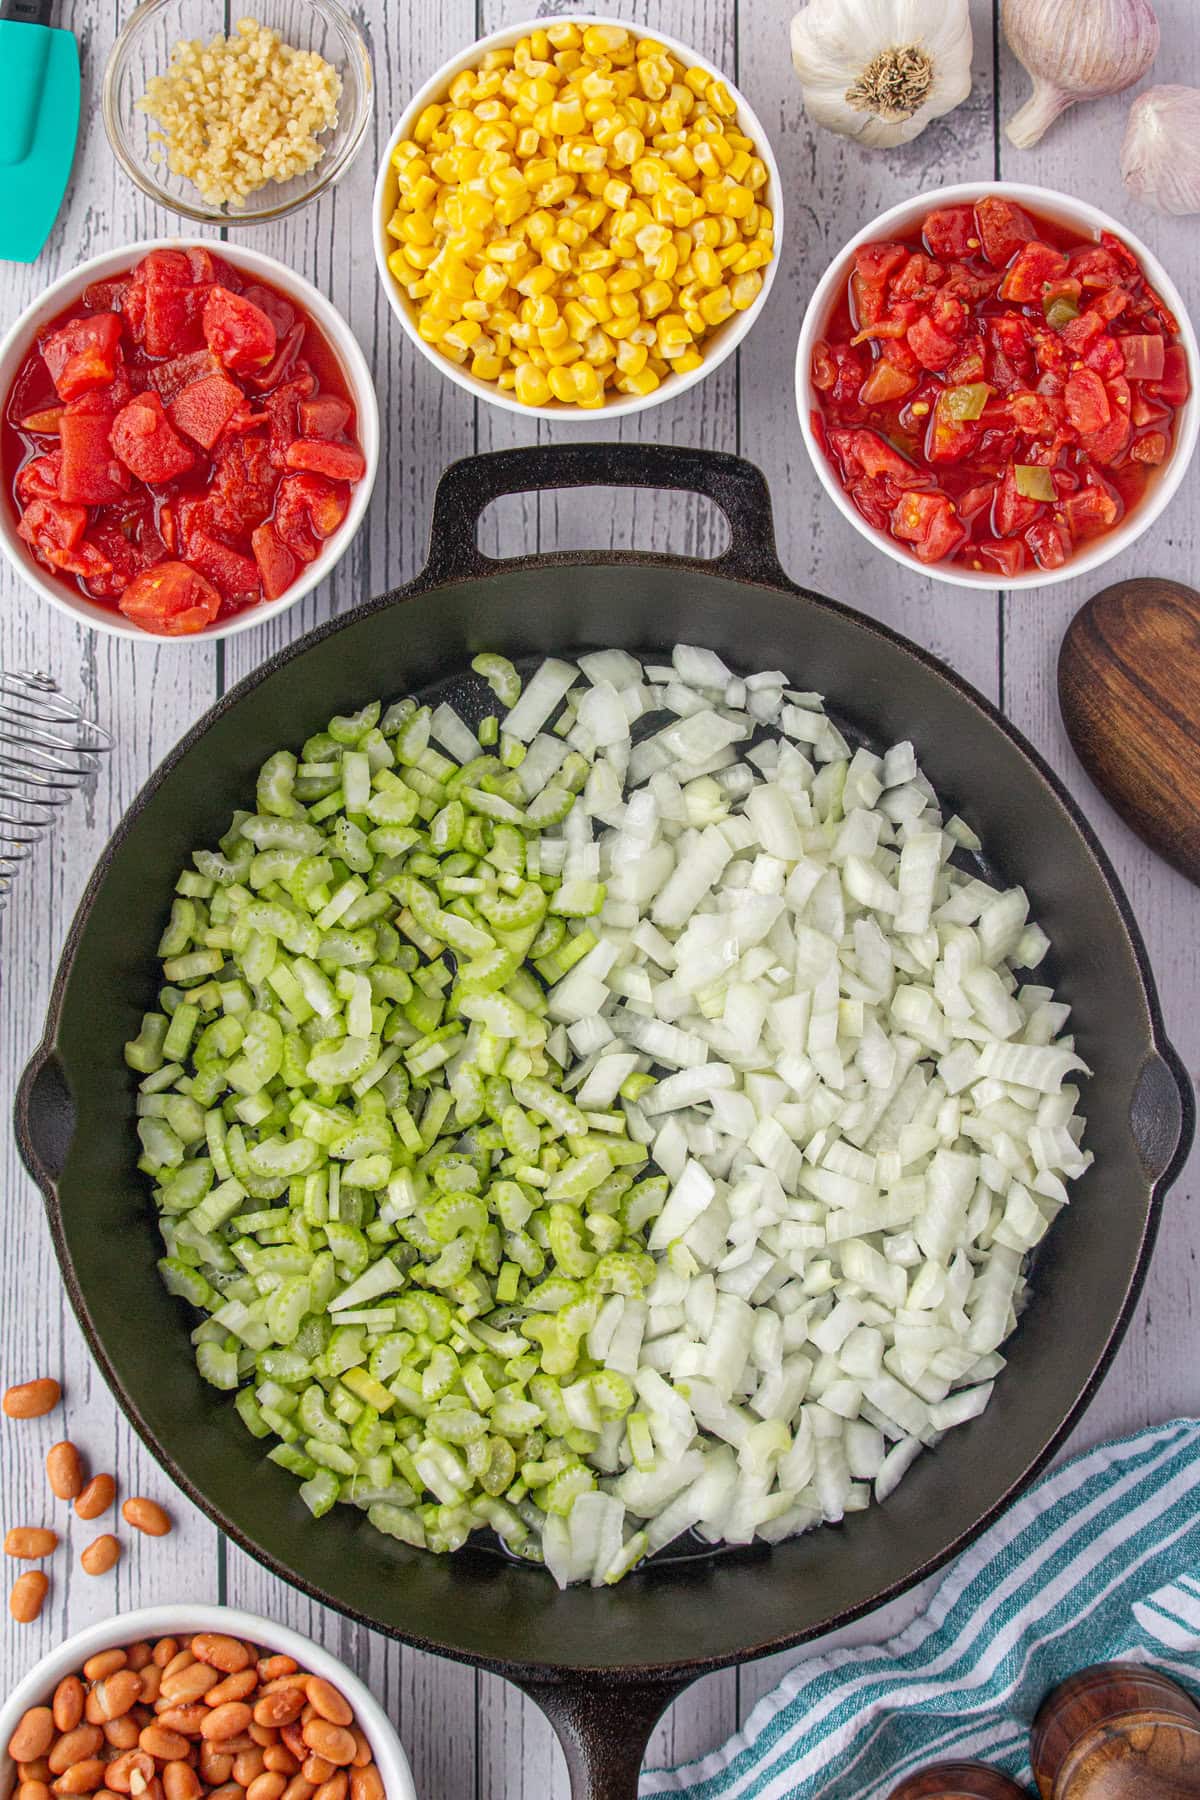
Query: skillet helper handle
x=44, y=1117
x=733, y=485
x=1162, y=1114
x=604, y=1728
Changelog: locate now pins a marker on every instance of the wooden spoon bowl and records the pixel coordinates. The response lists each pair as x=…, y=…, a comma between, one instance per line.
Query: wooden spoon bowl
x=1129, y=689
x=1117, y=1731
x=958, y=1781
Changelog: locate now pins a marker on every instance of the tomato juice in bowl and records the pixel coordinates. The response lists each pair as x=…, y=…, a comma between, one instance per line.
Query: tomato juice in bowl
x=996, y=385
x=188, y=441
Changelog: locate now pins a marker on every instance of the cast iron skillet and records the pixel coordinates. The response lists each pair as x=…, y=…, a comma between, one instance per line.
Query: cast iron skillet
x=605, y=1664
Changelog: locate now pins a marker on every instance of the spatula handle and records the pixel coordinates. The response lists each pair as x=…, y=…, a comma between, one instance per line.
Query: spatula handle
x=26, y=12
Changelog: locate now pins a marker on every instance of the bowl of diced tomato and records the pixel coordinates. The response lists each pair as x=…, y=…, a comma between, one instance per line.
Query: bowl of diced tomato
x=997, y=385
x=189, y=435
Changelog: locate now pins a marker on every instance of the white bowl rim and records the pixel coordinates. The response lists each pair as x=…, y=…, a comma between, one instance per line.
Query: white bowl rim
x=58, y=295
x=152, y=1622
x=1073, y=212
x=732, y=333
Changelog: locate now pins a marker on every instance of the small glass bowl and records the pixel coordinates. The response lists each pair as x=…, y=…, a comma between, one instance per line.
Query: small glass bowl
x=144, y=48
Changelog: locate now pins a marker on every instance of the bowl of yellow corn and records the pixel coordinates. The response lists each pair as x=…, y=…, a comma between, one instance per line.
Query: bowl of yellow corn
x=574, y=217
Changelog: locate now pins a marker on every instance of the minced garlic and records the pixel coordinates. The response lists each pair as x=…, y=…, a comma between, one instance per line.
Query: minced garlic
x=242, y=111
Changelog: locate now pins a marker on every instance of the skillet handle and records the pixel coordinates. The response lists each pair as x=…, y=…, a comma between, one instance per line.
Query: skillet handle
x=733, y=485
x=44, y=1116
x=1162, y=1114
x=604, y=1728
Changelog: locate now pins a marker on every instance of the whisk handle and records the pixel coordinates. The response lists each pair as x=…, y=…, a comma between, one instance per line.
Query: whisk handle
x=44, y=1117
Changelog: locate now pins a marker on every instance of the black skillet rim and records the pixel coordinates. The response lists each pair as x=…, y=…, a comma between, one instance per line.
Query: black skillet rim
x=762, y=571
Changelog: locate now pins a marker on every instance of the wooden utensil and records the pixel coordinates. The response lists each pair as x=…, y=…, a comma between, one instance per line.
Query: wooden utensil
x=1129, y=689
x=1117, y=1731
x=958, y=1781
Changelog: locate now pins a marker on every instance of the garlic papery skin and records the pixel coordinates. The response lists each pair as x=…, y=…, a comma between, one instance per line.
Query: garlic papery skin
x=1075, y=53
x=880, y=70
x=1160, y=155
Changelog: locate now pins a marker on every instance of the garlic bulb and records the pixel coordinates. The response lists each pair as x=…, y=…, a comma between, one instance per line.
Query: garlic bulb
x=880, y=70
x=1160, y=156
x=1102, y=47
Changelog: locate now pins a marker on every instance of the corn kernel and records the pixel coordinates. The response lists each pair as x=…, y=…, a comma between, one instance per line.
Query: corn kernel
x=553, y=336
x=745, y=289
x=716, y=306
x=691, y=359
x=643, y=383
x=656, y=296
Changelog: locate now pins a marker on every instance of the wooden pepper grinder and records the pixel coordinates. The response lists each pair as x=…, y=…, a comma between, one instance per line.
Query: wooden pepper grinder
x=1117, y=1731
x=958, y=1781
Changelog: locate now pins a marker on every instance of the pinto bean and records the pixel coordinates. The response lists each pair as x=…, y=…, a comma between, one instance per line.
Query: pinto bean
x=30, y=1399
x=224, y=1653
x=96, y=1497
x=33, y=1735
x=64, y=1470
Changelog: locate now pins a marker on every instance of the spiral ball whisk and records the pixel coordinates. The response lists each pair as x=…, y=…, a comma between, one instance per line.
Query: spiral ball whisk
x=48, y=749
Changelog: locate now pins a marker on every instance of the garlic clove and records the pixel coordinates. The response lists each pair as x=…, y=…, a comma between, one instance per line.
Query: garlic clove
x=879, y=70
x=1160, y=154
x=1109, y=45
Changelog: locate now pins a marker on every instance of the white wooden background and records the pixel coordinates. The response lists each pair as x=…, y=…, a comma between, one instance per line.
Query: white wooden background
x=472, y=1737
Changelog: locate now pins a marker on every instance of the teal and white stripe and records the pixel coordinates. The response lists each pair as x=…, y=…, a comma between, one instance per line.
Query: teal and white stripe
x=1101, y=1559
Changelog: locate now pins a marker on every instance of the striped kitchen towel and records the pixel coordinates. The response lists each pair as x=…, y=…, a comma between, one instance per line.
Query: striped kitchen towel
x=1101, y=1559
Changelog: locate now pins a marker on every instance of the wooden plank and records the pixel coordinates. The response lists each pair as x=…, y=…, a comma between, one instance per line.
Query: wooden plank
x=146, y=694
x=832, y=189
x=1079, y=155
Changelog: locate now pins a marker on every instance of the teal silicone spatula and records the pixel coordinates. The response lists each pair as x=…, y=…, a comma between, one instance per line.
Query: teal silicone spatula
x=39, y=122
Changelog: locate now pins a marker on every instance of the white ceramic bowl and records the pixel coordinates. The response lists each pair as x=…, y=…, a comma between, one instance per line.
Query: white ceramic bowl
x=721, y=343
x=15, y=347
x=154, y=1622
x=897, y=222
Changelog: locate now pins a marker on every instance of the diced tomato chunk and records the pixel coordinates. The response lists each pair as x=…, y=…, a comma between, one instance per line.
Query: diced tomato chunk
x=340, y=462
x=243, y=485
x=147, y=442
x=1095, y=267
x=1012, y=363
x=885, y=382
x=104, y=296
x=38, y=479
x=1012, y=511
x=932, y=348
x=1105, y=357
x=160, y=304
x=1175, y=385
x=1087, y=400
x=237, y=331
x=1091, y=510
x=918, y=279
x=324, y=416
x=170, y=378
x=1002, y=228
x=309, y=507
x=1144, y=356
x=1005, y=555
x=1109, y=304
x=171, y=600
x=231, y=573
x=1050, y=543
x=948, y=232
x=83, y=354
x=875, y=262
x=277, y=565
x=1081, y=333
x=281, y=312
x=49, y=525
x=90, y=474
x=930, y=524
x=1036, y=415
x=1031, y=271
x=1151, y=448
x=949, y=439
x=204, y=408
x=869, y=302
x=866, y=453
